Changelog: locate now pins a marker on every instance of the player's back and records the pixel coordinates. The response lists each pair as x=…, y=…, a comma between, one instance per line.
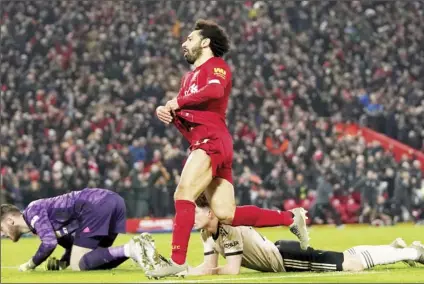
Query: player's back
x=258, y=252
x=65, y=208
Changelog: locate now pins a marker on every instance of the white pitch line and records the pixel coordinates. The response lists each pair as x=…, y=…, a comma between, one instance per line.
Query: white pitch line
x=263, y=277
x=299, y=275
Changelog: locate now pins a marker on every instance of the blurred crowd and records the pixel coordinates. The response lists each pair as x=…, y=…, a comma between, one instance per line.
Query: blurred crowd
x=80, y=81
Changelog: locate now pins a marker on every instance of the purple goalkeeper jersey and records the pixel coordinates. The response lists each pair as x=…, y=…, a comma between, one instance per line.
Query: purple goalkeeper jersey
x=53, y=218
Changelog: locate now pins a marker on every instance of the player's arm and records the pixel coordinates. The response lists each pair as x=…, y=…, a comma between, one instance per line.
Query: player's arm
x=210, y=262
x=66, y=242
x=232, y=267
x=212, y=90
x=53, y=263
x=210, y=259
x=233, y=250
x=40, y=222
x=216, y=81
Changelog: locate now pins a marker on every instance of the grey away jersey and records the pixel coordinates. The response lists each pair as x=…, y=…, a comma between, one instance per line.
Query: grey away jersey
x=258, y=253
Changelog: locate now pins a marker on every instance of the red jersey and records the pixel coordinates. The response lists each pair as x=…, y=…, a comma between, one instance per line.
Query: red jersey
x=203, y=100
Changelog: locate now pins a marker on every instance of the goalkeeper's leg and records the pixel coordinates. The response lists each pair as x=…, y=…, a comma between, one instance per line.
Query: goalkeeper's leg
x=95, y=253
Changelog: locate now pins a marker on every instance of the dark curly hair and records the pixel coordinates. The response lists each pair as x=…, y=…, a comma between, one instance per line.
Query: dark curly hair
x=220, y=42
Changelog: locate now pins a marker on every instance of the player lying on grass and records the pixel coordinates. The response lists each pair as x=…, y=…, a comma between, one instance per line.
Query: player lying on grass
x=245, y=247
x=85, y=223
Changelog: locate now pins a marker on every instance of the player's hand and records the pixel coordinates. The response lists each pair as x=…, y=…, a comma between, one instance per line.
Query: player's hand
x=55, y=264
x=27, y=266
x=173, y=105
x=164, y=114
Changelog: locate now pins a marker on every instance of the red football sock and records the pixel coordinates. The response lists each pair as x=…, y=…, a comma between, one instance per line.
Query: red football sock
x=183, y=224
x=258, y=217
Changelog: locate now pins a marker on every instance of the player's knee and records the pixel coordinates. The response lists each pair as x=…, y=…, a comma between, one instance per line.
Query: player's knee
x=225, y=213
x=82, y=265
x=183, y=192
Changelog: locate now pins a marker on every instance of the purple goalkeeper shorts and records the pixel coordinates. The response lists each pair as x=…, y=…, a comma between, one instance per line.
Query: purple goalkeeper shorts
x=100, y=223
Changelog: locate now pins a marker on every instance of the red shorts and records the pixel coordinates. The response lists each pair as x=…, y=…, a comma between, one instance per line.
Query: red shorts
x=220, y=148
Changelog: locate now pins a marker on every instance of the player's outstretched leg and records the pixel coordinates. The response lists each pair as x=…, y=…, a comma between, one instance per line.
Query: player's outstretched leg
x=371, y=256
x=195, y=177
x=220, y=194
x=397, y=243
x=296, y=259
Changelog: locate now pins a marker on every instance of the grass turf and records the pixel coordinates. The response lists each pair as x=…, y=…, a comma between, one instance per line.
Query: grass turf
x=325, y=237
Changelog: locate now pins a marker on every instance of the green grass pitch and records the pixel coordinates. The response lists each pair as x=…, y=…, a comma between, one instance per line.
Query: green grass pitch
x=325, y=237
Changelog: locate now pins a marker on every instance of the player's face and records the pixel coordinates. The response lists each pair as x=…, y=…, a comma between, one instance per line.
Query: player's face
x=10, y=230
x=202, y=217
x=192, y=47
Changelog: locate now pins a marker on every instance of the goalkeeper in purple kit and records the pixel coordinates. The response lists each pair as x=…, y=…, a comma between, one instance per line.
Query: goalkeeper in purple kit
x=85, y=223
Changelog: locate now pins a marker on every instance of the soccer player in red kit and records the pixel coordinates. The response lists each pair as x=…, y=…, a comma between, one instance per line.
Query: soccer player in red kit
x=199, y=113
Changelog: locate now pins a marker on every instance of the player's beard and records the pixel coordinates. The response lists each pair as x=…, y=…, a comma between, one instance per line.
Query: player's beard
x=193, y=54
x=15, y=234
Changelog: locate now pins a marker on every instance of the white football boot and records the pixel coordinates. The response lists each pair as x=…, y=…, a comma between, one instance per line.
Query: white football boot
x=299, y=227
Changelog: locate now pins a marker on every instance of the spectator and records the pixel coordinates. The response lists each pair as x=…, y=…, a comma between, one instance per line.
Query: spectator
x=137, y=150
x=323, y=202
x=80, y=82
x=142, y=192
x=157, y=181
x=370, y=193
x=402, y=196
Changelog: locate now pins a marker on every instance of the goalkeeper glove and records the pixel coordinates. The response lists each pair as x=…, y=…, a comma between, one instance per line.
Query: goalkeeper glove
x=55, y=264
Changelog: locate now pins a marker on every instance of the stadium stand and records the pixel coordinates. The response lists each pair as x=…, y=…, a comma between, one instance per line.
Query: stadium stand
x=80, y=81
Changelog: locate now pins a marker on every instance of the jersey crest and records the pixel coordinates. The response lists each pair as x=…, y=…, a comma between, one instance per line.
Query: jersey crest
x=191, y=90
